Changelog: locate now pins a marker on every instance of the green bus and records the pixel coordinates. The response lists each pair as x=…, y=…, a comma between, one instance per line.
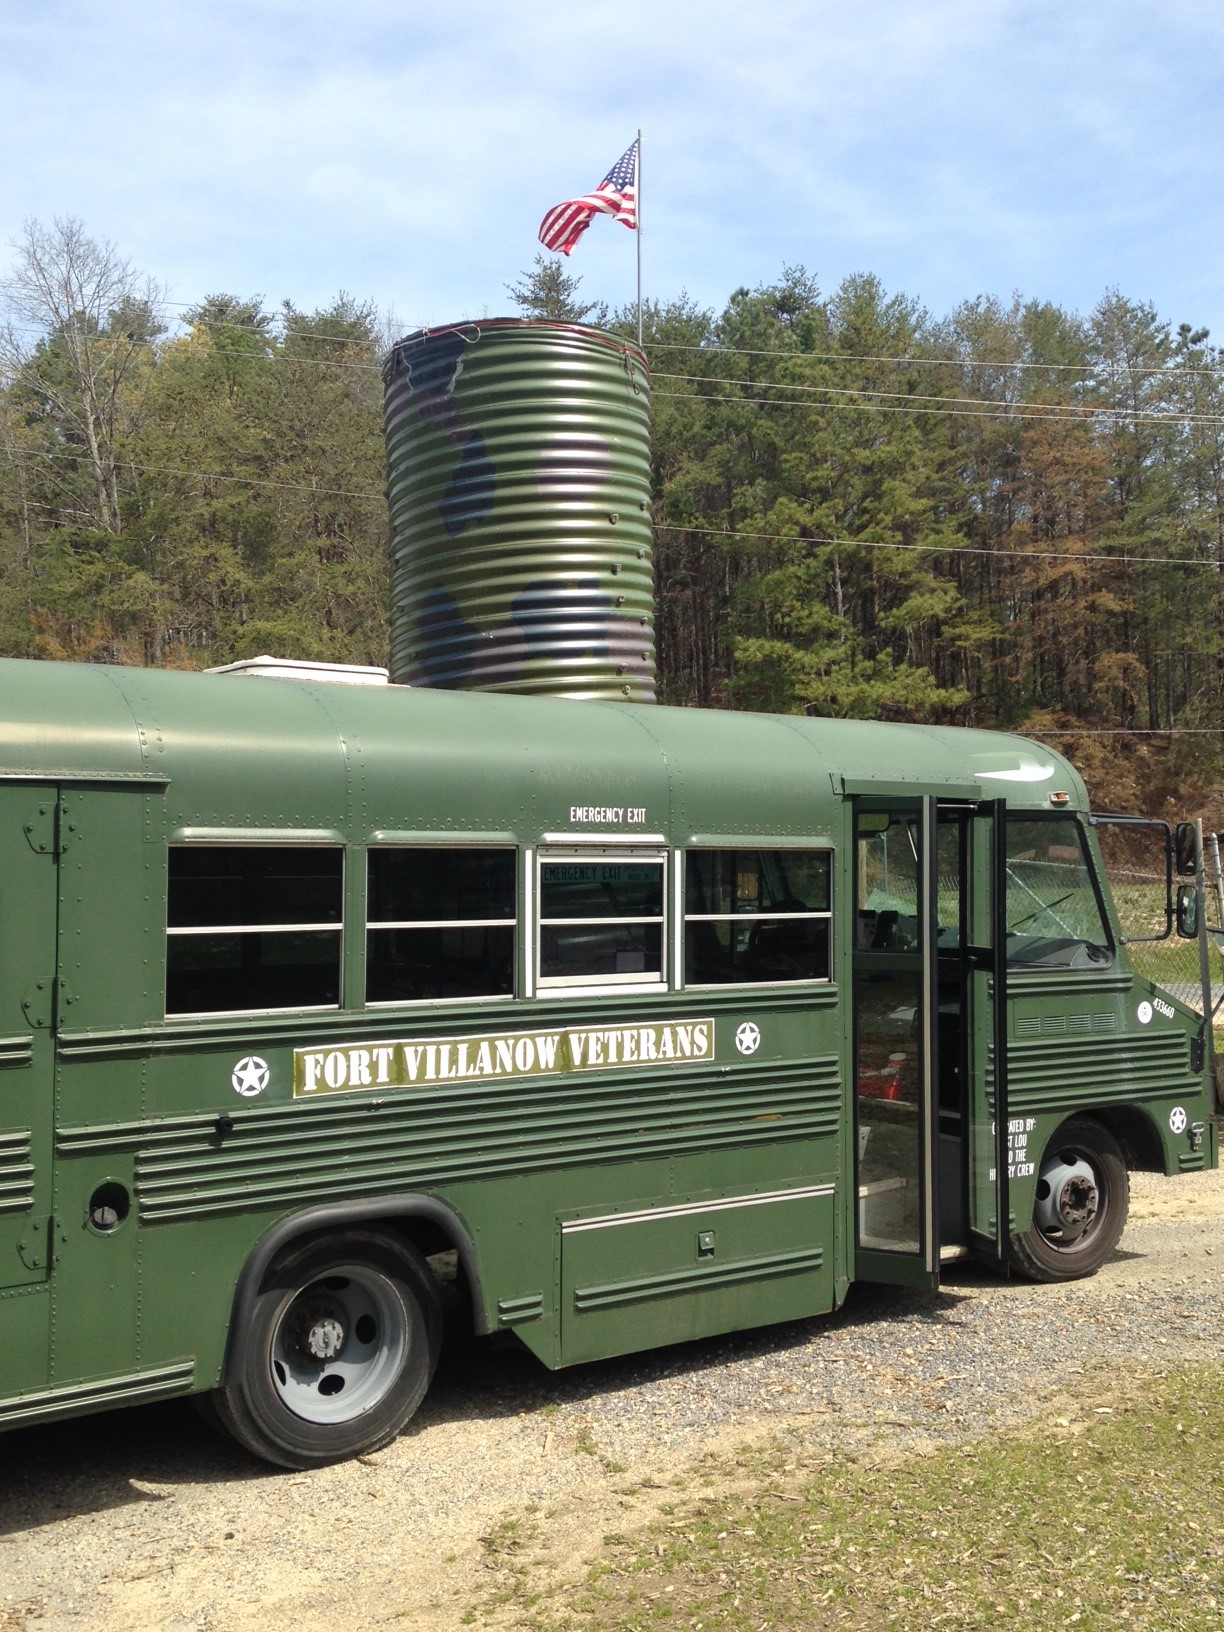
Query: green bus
x=642, y=1023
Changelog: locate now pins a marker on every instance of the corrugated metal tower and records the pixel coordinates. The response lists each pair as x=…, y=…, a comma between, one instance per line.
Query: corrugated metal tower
x=519, y=485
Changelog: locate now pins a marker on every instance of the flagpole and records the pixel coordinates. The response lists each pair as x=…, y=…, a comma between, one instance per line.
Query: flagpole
x=638, y=203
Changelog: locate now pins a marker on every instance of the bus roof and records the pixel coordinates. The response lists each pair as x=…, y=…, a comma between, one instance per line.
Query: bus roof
x=283, y=754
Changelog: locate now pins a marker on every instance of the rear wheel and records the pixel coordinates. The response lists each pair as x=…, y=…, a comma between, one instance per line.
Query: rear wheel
x=337, y=1353
x=1080, y=1209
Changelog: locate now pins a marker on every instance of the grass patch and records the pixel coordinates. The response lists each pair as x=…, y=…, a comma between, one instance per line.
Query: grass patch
x=1104, y=1512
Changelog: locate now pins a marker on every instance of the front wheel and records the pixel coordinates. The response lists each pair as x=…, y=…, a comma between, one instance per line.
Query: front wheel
x=1080, y=1209
x=338, y=1351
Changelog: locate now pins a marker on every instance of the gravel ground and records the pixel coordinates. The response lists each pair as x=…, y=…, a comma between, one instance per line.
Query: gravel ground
x=143, y=1519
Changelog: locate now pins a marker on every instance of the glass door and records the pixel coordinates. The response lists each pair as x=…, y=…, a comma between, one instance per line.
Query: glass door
x=896, y=1040
x=991, y=1134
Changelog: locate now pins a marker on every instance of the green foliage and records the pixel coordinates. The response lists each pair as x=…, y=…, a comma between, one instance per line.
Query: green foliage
x=1012, y=513
x=549, y=291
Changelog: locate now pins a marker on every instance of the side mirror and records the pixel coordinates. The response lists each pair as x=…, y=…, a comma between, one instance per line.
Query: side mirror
x=1187, y=911
x=1186, y=843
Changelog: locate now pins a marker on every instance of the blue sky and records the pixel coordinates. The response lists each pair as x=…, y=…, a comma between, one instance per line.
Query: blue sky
x=406, y=152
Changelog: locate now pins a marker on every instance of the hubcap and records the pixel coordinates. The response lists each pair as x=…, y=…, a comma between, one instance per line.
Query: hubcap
x=1068, y=1197
x=340, y=1345
x=320, y=1334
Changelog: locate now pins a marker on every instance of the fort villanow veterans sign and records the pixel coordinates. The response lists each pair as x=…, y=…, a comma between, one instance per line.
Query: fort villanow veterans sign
x=420, y=1062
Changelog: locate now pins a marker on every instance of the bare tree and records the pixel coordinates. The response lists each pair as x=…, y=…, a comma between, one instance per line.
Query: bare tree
x=90, y=314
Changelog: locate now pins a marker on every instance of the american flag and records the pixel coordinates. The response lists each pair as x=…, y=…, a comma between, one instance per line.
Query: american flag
x=616, y=196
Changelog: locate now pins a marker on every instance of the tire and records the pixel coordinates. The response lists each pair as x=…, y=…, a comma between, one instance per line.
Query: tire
x=1083, y=1191
x=338, y=1351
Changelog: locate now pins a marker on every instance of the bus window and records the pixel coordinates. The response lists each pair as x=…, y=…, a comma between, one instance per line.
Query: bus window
x=601, y=920
x=1054, y=918
x=440, y=923
x=253, y=927
x=756, y=915
x=887, y=883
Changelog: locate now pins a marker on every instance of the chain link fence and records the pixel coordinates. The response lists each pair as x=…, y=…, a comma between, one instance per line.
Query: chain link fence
x=1135, y=867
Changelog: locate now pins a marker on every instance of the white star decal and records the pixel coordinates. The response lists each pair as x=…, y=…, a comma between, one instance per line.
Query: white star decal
x=250, y=1076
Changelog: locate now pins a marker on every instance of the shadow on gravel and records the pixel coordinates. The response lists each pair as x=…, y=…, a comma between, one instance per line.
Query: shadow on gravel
x=481, y=1381
x=97, y=1463
x=94, y=1464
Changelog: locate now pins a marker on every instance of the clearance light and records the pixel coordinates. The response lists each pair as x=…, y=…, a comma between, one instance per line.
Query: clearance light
x=1060, y=798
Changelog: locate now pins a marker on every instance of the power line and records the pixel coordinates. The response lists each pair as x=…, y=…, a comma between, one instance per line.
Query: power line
x=1156, y=369
x=13, y=456
x=999, y=411
x=270, y=332
x=945, y=549
x=991, y=408
x=1127, y=731
x=153, y=344
x=1056, y=410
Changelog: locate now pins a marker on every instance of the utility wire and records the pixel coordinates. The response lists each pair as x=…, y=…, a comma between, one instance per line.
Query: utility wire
x=946, y=549
x=909, y=361
x=1128, y=731
x=991, y=410
x=1053, y=410
x=1152, y=371
x=13, y=456
x=906, y=402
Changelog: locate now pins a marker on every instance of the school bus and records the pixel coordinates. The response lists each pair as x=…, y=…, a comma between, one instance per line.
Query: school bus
x=647, y=1023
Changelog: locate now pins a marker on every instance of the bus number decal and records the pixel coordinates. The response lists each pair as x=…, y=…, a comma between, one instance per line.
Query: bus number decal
x=416, y=1062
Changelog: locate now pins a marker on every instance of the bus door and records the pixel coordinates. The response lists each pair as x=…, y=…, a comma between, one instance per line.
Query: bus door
x=989, y=1134
x=28, y=895
x=896, y=1041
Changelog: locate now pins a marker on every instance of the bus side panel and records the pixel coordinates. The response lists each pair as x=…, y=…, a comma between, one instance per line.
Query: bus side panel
x=673, y=1272
x=189, y=1275
x=111, y=919
x=25, y=1325
x=27, y=999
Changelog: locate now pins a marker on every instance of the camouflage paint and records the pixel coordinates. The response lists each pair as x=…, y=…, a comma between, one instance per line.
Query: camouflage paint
x=519, y=486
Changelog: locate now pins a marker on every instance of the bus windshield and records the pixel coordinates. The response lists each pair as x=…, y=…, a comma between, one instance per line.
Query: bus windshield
x=1054, y=918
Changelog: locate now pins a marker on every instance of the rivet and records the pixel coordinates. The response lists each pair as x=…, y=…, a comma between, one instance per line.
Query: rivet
x=613, y=517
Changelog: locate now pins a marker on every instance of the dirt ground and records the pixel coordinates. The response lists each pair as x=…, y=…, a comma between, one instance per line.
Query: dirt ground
x=143, y=1519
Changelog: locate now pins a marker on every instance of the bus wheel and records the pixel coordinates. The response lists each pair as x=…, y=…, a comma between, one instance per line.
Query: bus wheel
x=337, y=1354
x=1080, y=1209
